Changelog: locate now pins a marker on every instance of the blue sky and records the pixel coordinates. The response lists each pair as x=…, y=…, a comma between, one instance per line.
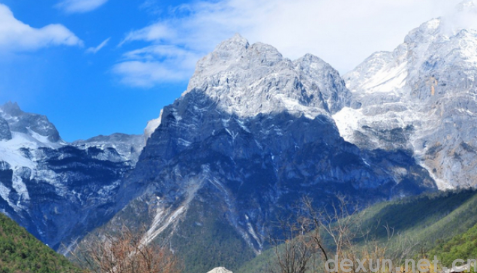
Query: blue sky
x=99, y=67
x=75, y=87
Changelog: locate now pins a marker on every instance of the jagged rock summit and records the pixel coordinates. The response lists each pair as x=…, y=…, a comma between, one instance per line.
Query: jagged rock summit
x=33, y=125
x=247, y=80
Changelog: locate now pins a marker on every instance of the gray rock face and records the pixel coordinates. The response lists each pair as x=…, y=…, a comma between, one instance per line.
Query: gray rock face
x=250, y=137
x=118, y=147
x=421, y=97
x=5, y=133
x=59, y=191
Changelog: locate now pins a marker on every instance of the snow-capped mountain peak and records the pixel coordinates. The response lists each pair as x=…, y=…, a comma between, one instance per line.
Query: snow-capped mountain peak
x=246, y=80
x=225, y=54
x=37, y=126
x=420, y=97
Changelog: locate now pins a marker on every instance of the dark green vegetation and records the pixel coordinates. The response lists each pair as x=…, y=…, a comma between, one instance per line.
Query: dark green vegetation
x=442, y=224
x=462, y=246
x=22, y=252
x=426, y=218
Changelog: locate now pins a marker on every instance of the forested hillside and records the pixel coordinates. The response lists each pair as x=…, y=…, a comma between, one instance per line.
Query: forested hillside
x=22, y=252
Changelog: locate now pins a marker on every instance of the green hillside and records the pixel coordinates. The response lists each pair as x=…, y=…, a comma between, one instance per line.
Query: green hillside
x=22, y=252
x=426, y=218
x=462, y=246
x=429, y=220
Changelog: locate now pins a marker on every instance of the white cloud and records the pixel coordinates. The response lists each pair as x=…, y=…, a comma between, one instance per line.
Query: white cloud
x=342, y=32
x=95, y=50
x=462, y=17
x=80, y=6
x=18, y=36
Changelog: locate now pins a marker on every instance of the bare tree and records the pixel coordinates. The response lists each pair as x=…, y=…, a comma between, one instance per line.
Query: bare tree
x=295, y=253
x=337, y=233
x=301, y=247
x=125, y=252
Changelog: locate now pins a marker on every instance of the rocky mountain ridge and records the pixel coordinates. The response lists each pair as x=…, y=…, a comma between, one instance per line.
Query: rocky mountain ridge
x=420, y=97
x=57, y=190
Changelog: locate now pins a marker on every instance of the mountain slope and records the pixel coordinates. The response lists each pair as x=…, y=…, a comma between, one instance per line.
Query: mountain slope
x=21, y=252
x=435, y=222
x=422, y=97
x=56, y=190
x=249, y=138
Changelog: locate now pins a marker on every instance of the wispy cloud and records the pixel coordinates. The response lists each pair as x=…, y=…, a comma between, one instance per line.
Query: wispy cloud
x=80, y=6
x=155, y=64
x=342, y=32
x=17, y=36
x=95, y=50
x=151, y=6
